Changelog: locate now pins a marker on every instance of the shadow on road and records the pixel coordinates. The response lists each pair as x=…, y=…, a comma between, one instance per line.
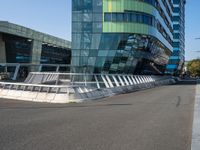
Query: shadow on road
x=63, y=106
x=187, y=82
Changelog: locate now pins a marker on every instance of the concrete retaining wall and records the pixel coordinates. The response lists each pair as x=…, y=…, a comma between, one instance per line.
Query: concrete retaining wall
x=36, y=96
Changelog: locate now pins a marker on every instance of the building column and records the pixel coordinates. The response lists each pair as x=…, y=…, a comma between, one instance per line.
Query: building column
x=36, y=55
x=2, y=50
x=16, y=72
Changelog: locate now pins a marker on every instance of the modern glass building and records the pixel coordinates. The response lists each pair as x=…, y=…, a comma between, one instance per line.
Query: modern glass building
x=23, y=50
x=177, y=59
x=121, y=36
x=21, y=45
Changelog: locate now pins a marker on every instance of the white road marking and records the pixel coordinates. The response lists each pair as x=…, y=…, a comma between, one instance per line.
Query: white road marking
x=196, y=122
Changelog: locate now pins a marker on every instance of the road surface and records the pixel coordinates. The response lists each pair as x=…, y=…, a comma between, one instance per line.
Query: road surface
x=153, y=119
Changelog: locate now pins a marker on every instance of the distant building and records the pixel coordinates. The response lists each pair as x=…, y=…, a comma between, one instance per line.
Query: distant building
x=176, y=62
x=19, y=44
x=32, y=50
x=122, y=36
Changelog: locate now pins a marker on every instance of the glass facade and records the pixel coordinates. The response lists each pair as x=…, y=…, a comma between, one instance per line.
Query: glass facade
x=124, y=36
x=19, y=44
x=55, y=55
x=177, y=58
x=18, y=49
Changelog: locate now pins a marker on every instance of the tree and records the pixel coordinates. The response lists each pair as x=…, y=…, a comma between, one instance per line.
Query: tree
x=194, y=67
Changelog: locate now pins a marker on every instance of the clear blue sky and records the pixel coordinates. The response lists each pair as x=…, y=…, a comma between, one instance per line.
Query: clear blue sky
x=48, y=16
x=54, y=17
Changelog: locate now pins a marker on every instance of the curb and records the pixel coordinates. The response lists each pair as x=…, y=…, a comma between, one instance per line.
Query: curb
x=196, y=122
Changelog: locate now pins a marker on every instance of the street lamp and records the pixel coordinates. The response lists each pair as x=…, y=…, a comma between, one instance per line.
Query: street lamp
x=198, y=50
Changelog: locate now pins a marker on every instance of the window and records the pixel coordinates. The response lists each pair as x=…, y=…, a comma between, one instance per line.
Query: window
x=176, y=9
x=120, y=17
x=108, y=17
x=130, y=17
x=176, y=27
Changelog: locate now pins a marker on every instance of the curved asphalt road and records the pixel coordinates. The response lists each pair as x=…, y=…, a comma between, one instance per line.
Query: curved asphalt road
x=154, y=119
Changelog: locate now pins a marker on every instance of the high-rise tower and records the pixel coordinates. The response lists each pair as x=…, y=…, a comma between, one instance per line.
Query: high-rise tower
x=178, y=56
x=121, y=36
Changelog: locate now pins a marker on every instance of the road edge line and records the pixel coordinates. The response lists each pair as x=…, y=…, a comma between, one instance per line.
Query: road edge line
x=196, y=121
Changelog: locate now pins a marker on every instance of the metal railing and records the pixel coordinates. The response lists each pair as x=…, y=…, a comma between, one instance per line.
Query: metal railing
x=62, y=87
x=14, y=68
x=88, y=80
x=37, y=87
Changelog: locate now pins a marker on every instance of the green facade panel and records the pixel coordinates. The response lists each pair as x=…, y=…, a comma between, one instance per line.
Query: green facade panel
x=121, y=5
x=124, y=27
x=111, y=27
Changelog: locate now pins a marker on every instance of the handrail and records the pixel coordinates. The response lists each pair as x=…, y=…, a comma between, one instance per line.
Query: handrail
x=87, y=74
x=28, y=64
x=40, y=85
x=84, y=74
